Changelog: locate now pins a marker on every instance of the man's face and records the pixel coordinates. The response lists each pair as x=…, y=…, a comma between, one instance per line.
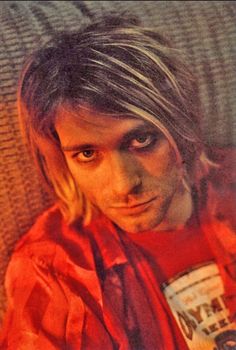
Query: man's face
x=124, y=166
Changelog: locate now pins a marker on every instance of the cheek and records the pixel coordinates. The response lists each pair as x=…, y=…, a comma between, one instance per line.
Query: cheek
x=89, y=182
x=162, y=163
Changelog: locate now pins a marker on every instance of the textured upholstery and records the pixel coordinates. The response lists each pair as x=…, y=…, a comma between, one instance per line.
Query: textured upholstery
x=206, y=33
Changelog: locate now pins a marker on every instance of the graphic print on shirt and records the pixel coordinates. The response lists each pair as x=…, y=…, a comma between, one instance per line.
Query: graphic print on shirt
x=196, y=299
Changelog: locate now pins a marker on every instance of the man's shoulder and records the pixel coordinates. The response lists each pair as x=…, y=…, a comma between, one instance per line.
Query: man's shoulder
x=46, y=228
x=51, y=240
x=53, y=247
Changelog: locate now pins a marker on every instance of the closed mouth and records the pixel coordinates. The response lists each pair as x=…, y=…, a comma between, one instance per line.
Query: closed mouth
x=135, y=208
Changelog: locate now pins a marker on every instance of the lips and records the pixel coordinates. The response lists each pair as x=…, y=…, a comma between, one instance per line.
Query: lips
x=134, y=209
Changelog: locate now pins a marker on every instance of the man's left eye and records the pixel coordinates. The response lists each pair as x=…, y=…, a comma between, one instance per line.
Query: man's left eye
x=142, y=141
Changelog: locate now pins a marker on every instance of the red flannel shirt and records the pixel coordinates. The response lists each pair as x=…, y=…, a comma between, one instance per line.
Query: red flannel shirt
x=89, y=289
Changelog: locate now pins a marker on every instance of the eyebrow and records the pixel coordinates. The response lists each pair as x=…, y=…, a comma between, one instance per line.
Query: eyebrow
x=145, y=127
x=77, y=147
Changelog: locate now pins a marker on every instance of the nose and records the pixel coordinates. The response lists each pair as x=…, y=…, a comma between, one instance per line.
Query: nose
x=125, y=175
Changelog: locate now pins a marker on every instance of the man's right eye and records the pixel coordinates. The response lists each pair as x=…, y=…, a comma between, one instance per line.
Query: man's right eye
x=85, y=156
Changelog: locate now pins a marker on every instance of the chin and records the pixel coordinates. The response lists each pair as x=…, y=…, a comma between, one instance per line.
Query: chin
x=148, y=220
x=138, y=225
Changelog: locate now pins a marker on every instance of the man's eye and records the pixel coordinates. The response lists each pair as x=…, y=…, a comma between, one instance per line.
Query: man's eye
x=142, y=141
x=85, y=156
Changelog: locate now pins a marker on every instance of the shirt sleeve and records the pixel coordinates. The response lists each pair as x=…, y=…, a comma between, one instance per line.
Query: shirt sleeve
x=37, y=309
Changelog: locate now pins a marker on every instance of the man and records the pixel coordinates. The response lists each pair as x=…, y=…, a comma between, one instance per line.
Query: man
x=131, y=256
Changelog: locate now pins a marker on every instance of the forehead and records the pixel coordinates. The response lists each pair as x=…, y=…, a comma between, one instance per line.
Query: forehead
x=87, y=125
x=85, y=117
